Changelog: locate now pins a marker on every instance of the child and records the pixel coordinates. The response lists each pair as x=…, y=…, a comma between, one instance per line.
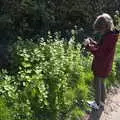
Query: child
x=103, y=52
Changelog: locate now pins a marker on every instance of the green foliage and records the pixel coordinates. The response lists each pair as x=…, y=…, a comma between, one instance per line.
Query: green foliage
x=49, y=80
x=31, y=18
x=4, y=111
x=112, y=79
x=117, y=59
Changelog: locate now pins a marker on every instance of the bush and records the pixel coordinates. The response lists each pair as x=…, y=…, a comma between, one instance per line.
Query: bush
x=29, y=18
x=49, y=80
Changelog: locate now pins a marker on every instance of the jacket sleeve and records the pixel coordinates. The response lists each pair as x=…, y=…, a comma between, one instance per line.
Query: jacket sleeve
x=105, y=48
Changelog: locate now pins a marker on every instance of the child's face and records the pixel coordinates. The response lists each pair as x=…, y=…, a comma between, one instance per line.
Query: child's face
x=102, y=29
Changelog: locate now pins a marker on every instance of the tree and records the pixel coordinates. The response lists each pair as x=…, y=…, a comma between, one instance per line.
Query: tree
x=27, y=18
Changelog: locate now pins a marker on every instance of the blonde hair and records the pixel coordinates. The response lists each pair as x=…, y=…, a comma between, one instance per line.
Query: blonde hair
x=104, y=20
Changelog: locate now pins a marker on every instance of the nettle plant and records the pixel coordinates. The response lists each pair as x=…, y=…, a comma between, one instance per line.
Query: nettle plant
x=47, y=81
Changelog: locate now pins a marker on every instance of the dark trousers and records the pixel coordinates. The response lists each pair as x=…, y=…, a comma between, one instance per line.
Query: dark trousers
x=99, y=86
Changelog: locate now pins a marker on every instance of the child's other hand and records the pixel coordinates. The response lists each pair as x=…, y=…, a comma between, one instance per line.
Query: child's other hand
x=86, y=41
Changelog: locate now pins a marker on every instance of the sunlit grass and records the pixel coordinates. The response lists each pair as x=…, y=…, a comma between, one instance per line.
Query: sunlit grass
x=118, y=49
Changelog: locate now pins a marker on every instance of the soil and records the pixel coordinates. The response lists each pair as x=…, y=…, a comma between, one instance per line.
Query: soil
x=111, y=110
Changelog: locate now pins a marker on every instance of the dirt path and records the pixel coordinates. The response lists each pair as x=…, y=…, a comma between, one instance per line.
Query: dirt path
x=112, y=106
x=111, y=110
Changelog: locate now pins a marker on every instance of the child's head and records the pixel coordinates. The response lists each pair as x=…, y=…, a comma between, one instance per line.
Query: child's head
x=103, y=23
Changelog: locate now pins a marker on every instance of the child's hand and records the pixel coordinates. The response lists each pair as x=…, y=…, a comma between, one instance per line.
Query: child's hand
x=86, y=42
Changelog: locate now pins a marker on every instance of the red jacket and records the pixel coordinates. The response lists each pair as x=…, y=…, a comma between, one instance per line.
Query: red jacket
x=103, y=54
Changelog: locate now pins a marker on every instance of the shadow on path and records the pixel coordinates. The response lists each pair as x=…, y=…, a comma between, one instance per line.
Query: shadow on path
x=95, y=114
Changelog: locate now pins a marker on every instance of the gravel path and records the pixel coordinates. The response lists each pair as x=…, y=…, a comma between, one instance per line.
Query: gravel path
x=111, y=110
